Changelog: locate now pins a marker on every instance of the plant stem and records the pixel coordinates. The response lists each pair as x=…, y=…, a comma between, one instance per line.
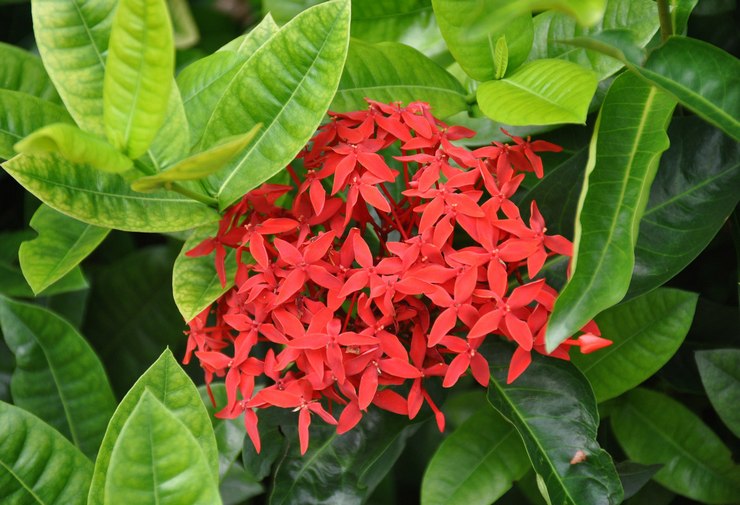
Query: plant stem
x=666, y=25
x=208, y=200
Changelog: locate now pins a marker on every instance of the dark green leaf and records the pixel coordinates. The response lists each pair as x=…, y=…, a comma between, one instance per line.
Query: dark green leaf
x=720, y=374
x=157, y=461
x=24, y=72
x=652, y=494
x=272, y=447
x=690, y=200
x=171, y=386
x=476, y=464
x=238, y=485
x=307, y=55
x=229, y=432
x=634, y=476
x=655, y=429
x=625, y=149
x=389, y=72
x=554, y=410
x=646, y=332
x=37, y=464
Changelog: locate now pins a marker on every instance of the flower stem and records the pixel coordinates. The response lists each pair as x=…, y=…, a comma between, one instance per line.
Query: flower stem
x=664, y=15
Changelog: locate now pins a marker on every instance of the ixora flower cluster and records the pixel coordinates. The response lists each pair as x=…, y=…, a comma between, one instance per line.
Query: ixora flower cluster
x=378, y=272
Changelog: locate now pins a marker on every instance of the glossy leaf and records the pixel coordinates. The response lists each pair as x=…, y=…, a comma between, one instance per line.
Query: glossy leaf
x=76, y=146
x=702, y=77
x=37, y=464
x=57, y=375
x=23, y=71
x=238, y=486
x=629, y=138
x=72, y=39
x=104, y=199
x=646, y=332
x=539, y=92
x=138, y=74
x=476, y=464
x=308, y=54
x=689, y=201
x=635, y=476
x=388, y=72
x=229, y=432
x=338, y=468
x=720, y=374
x=655, y=429
x=195, y=282
x=472, y=28
x=554, y=410
x=169, y=384
x=156, y=460
x=62, y=243
x=21, y=115
x=204, y=82
x=198, y=165
x=552, y=29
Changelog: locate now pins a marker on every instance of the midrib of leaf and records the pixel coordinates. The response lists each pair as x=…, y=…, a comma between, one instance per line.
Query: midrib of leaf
x=696, y=187
x=151, y=456
x=541, y=97
x=21, y=481
x=304, y=467
x=544, y=453
x=89, y=34
x=130, y=119
x=68, y=251
x=613, y=348
x=264, y=132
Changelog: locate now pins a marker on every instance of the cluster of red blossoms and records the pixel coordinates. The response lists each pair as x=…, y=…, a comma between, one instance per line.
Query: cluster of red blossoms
x=379, y=273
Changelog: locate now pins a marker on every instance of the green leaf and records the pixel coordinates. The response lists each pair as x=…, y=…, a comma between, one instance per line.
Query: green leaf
x=185, y=29
x=476, y=464
x=156, y=460
x=553, y=29
x=702, y=77
x=37, y=464
x=655, y=429
x=138, y=74
x=259, y=466
x=62, y=243
x=166, y=381
x=198, y=165
x=635, y=476
x=500, y=57
x=229, y=433
x=308, y=54
x=204, y=82
x=21, y=115
x=554, y=410
x=340, y=469
x=57, y=375
x=695, y=173
x=388, y=72
x=680, y=12
x=719, y=374
x=627, y=143
x=540, y=92
x=24, y=72
x=238, y=486
x=104, y=199
x=76, y=146
x=646, y=332
x=72, y=38
x=195, y=282
x=472, y=28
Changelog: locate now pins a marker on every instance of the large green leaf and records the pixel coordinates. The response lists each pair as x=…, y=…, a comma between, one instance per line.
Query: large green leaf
x=655, y=429
x=229, y=433
x=37, y=464
x=76, y=146
x=554, y=410
x=627, y=143
x=646, y=332
x=340, y=469
x=171, y=386
x=138, y=74
x=552, y=29
x=21, y=115
x=471, y=36
x=195, y=282
x=57, y=376
x=702, y=77
x=720, y=374
x=24, y=72
x=287, y=86
x=540, y=92
x=72, y=37
x=476, y=464
x=62, y=243
x=157, y=461
x=690, y=200
x=388, y=72
x=104, y=199
x=204, y=82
